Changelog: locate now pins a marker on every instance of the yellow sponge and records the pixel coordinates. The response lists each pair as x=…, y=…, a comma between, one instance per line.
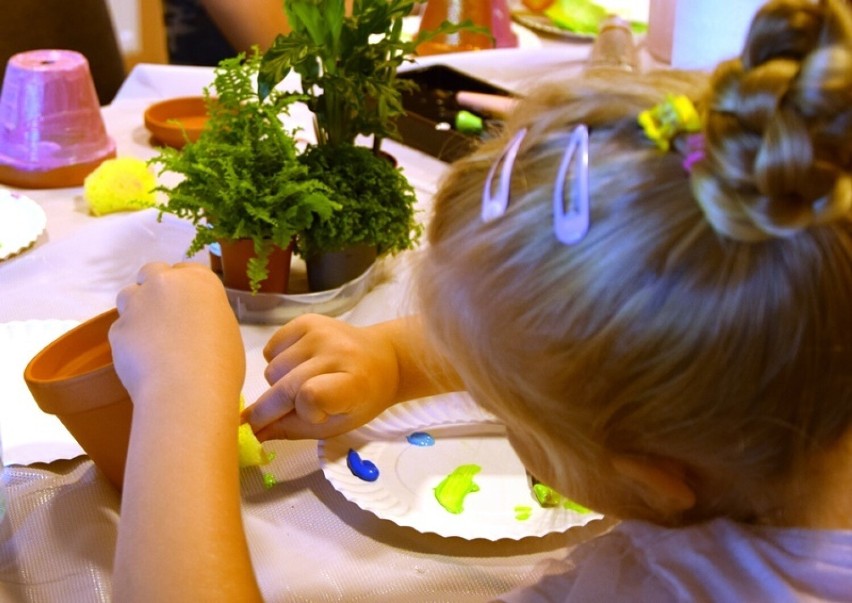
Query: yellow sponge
x=251, y=450
x=120, y=184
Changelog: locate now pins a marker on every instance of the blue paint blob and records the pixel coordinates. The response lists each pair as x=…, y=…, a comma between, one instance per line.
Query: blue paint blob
x=421, y=438
x=361, y=468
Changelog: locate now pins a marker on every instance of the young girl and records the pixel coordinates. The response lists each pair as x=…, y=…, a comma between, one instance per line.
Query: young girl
x=659, y=314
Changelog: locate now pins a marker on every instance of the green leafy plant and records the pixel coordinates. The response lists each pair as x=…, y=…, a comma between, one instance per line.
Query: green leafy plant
x=242, y=178
x=348, y=64
x=348, y=67
x=376, y=202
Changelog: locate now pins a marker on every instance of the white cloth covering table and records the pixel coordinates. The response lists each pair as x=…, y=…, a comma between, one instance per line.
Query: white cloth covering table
x=307, y=542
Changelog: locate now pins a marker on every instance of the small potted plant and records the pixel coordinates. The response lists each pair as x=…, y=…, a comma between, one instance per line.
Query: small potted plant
x=376, y=215
x=243, y=185
x=348, y=69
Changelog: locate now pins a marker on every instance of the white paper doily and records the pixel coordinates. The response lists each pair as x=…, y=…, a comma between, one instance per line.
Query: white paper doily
x=22, y=221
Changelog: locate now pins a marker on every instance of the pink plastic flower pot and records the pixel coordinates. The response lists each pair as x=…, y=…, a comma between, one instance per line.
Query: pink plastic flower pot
x=52, y=133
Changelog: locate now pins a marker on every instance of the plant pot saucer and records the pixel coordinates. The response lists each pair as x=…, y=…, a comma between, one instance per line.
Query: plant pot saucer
x=276, y=308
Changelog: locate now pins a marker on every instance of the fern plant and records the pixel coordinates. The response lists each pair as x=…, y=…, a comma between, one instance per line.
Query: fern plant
x=242, y=178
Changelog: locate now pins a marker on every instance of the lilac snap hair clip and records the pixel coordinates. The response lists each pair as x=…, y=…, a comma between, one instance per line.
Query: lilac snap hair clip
x=571, y=222
x=494, y=206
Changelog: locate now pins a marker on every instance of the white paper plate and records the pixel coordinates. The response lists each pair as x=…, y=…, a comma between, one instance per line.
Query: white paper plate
x=526, y=38
x=404, y=491
x=28, y=434
x=22, y=221
x=632, y=10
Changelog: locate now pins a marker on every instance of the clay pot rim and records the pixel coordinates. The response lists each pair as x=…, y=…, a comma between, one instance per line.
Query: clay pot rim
x=61, y=395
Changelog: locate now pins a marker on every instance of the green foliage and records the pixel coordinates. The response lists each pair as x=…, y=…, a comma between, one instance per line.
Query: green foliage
x=377, y=202
x=348, y=64
x=242, y=178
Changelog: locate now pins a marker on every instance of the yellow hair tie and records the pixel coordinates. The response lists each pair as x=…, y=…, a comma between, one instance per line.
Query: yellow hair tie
x=676, y=115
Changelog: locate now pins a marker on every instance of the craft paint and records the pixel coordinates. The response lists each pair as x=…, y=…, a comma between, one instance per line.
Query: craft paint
x=522, y=512
x=548, y=497
x=452, y=491
x=420, y=438
x=361, y=468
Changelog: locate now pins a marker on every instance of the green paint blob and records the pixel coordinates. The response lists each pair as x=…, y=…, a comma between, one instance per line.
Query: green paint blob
x=451, y=492
x=269, y=480
x=522, y=512
x=548, y=497
x=576, y=507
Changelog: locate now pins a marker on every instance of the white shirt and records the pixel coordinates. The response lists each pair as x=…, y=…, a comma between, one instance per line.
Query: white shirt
x=715, y=561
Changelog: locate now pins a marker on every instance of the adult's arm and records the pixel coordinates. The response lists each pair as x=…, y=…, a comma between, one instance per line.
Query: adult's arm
x=246, y=23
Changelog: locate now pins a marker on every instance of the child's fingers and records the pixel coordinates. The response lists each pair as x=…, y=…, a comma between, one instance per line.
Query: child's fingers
x=296, y=425
x=149, y=270
x=287, y=336
x=123, y=297
x=286, y=361
x=313, y=388
x=273, y=404
x=292, y=427
x=326, y=393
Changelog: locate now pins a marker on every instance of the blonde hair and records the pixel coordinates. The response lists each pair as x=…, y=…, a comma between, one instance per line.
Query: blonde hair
x=717, y=330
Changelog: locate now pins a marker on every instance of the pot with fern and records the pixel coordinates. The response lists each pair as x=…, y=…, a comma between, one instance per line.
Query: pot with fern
x=242, y=184
x=347, y=66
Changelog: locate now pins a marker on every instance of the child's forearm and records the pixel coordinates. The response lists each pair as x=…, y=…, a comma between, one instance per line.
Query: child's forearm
x=181, y=535
x=422, y=371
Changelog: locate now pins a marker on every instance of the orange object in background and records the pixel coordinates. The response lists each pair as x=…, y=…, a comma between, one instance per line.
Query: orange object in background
x=537, y=6
x=493, y=14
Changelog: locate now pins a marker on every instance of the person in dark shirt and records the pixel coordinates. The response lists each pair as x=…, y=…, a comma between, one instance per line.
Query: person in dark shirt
x=203, y=32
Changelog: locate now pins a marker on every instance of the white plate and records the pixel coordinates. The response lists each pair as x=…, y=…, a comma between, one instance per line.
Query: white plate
x=28, y=434
x=22, y=221
x=632, y=10
x=404, y=491
x=526, y=38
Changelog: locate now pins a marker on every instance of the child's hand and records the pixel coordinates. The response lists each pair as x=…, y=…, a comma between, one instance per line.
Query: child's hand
x=175, y=331
x=326, y=378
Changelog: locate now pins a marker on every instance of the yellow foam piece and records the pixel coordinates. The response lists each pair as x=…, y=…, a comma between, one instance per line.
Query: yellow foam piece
x=120, y=184
x=252, y=453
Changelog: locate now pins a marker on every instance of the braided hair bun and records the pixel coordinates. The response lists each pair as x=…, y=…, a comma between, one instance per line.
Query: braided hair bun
x=778, y=125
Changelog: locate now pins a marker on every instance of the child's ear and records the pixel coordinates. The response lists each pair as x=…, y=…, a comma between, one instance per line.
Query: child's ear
x=662, y=482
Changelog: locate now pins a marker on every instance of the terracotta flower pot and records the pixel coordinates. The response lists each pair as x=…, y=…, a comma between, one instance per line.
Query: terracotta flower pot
x=332, y=269
x=74, y=379
x=235, y=256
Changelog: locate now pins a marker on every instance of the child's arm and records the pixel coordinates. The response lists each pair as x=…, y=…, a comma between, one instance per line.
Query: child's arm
x=328, y=377
x=178, y=351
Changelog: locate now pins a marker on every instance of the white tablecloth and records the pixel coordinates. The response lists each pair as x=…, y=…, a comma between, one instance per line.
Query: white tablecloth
x=308, y=543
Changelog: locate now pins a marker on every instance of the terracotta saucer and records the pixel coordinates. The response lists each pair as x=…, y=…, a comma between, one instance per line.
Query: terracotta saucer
x=168, y=120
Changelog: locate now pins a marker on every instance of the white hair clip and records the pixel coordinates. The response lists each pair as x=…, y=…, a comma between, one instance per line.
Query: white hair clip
x=494, y=206
x=571, y=220
x=571, y=223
